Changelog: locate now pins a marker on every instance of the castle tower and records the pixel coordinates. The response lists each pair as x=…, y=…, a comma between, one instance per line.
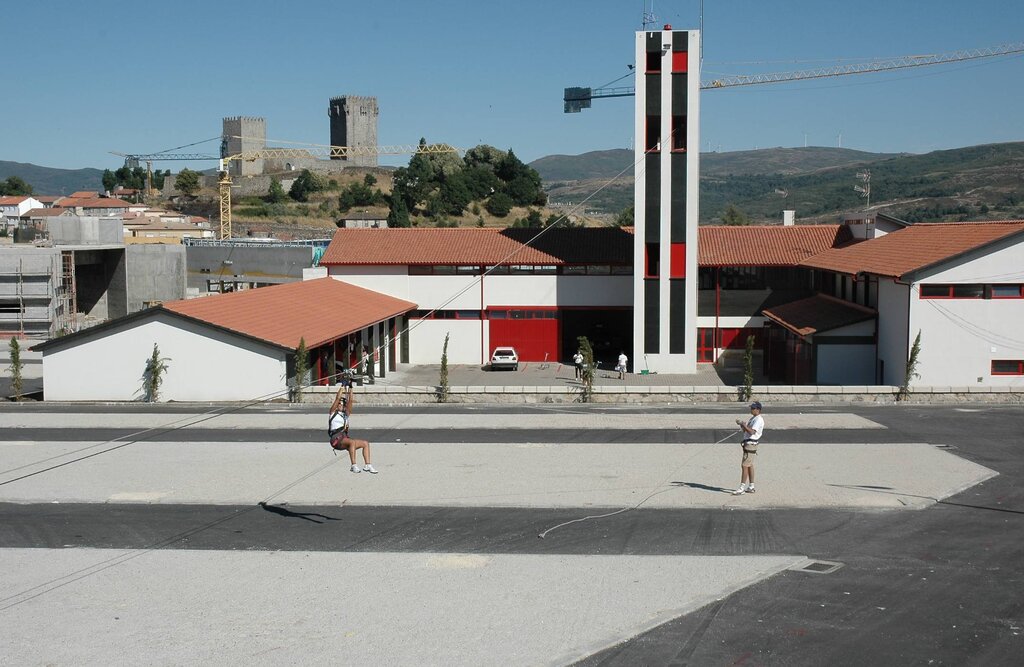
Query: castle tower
x=354, y=124
x=239, y=135
x=667, y=140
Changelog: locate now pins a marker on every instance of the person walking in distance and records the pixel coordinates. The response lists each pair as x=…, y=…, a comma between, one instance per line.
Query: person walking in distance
x=621, y=366
x=752, y=430
x=338, y=429
x=577, y=360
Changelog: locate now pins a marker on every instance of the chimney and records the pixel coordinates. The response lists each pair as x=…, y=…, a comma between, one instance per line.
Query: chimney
x=788, y=218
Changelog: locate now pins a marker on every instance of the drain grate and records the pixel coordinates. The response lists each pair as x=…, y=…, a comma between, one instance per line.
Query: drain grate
x=818, y=567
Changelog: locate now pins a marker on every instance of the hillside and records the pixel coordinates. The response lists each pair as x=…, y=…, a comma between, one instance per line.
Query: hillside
x=49, y=181
x=978, y=182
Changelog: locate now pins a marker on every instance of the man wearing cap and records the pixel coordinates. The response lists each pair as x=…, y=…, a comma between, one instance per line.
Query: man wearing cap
x=752, y=430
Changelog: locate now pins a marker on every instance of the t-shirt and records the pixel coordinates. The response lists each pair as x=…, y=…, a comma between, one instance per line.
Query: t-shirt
x=623, y=360
x=756, y=424
x=338, y=421
x=578, y=358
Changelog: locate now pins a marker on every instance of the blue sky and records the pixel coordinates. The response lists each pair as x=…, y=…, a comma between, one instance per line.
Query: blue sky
x=85, y=78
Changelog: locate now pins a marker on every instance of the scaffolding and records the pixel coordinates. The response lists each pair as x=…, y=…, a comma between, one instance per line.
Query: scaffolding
x=37, y=297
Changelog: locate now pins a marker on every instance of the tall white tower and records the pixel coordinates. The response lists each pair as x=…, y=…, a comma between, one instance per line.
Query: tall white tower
x=667, y=141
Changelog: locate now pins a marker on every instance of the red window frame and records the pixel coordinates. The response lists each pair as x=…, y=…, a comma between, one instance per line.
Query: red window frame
x=950, y=291
x=1019, y=362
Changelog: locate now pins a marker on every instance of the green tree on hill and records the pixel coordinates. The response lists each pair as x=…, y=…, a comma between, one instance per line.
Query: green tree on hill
x=108, y=180
x=187, y=182
x=14, y=186
x=734, y=216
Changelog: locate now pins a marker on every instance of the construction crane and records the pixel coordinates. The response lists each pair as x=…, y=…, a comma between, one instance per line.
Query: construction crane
x=132, y=160
x=576, y=99
x=308, y=151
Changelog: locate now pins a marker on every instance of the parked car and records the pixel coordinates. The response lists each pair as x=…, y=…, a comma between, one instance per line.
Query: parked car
x=505, y=357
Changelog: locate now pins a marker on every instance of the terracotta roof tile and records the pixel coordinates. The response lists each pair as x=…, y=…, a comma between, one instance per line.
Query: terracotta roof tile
x=318, y=310
x=766, y=246
x=45, y=212
x=84, y=194
x=100, y=202
x=818, y=313
x=913, y=248
x=479, y=246
x=10, y=200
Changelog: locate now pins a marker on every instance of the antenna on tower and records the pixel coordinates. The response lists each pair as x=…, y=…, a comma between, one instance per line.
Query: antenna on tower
x=839, y=140
x=649, y=19
x=864, y=190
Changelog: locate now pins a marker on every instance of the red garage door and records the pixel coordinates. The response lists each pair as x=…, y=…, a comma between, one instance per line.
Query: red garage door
x=532, y=331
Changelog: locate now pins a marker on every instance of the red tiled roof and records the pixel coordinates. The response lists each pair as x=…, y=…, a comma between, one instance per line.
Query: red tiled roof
x=100, y=202
x=44, y=212
x=84, y=194
x=913, y=248
x=319, y=310
x=480, y=246
x=818, y=313
x=765, y=246
x=10, y=200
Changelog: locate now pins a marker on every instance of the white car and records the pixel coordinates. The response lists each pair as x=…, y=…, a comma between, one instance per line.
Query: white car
x=505, y=357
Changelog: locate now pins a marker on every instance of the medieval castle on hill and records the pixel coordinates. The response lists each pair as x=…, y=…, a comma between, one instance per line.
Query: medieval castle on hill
x=353, y=124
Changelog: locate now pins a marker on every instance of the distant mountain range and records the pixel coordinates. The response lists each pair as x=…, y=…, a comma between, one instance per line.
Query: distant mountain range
x=976, y=183
x=973, y=183
x=49, y=181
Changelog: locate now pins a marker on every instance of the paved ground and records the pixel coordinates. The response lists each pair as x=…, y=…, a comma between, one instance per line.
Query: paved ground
x=165, y=556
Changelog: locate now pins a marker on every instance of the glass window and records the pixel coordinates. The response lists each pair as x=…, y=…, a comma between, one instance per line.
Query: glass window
x=598, y=270
x=418, y=270
x=573, y=270
x=518, y=314
x=1008, y=367
x=467, y=314
x=622, y=270
x=501, y=269
x=546, y=270
x=1007, y=291
x=444, y=270
x=497, y=314
x=467, y=270
x=968, y=291
x=934, y=291
x=521, y=268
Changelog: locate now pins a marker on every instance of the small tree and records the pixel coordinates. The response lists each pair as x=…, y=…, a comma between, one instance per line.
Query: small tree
x=587, y=391
x=748, y=371
x=499, y=204
x=442, y=384
x=301, y=370
x=15, y=369
x=153, y=376
x=734, y=216
x=187, y=182
x=911, y=373
x=109, y=180
x=275, y=195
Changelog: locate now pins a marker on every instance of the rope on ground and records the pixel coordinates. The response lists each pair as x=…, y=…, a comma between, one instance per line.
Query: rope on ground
x=658, y=489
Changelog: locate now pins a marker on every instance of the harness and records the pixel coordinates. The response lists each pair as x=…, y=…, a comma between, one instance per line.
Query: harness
x=750, y=446
x=336, y=435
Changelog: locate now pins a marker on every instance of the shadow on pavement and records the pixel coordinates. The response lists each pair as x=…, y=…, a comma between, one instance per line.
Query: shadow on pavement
x=702, y=487
x=306, y=516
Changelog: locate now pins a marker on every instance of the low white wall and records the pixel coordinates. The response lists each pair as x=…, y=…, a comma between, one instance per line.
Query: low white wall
x=202, y=365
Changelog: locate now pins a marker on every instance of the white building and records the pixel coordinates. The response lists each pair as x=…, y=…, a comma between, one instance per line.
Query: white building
x=960, y=285
x=229, y=347
x=13, y=207
x=487, y=287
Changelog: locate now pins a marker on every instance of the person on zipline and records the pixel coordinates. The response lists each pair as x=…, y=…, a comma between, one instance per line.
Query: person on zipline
x=338, y=428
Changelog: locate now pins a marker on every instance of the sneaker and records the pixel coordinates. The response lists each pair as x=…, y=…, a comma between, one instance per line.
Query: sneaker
x=740, y=491
x=369, y=468
x=355, y=468
x=750, y=489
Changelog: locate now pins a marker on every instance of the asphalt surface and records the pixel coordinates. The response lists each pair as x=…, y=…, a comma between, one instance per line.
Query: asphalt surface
x=941, y=585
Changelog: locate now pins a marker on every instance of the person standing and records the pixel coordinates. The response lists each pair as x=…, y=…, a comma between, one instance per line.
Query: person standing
x=752, y=430
x=577, y=360
x=338, y=429
x=621, y=367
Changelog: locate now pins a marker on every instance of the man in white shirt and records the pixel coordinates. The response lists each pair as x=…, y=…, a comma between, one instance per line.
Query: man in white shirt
x=752, y=430
x=621, y=367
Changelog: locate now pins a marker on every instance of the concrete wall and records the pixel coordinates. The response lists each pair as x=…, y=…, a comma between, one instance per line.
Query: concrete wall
x=154, y=272
x=426, y=341
x=203, y=365
x=84, y=230
x=271, y=264
x=893, y=344
x=28, y=280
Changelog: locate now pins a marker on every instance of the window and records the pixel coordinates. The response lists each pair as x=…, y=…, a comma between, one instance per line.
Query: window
x=952, y=291
x=653, y=62
x=679, y=61
x=598, y=270
x=653, y=133
x=678, y=133
x=418, y=270
x=653, y=254
x=10, y=307
x=1008, y=367
x=1008, y=291
x=545, y=270
x=574, y=270
x=497, y=314
x=467, y=270
x=501, y=269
